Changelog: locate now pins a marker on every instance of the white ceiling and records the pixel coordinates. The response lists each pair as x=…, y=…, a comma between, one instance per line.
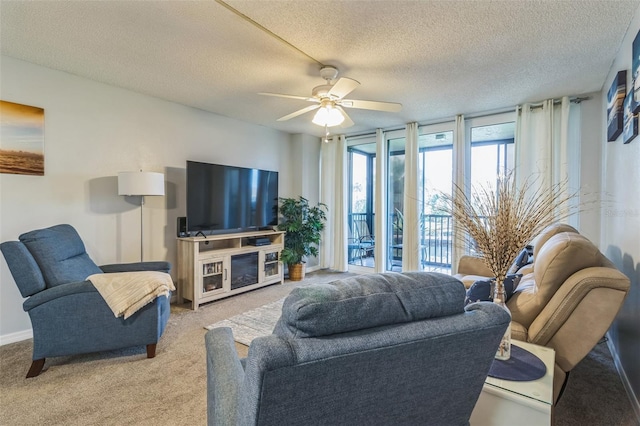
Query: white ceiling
x=437, y=58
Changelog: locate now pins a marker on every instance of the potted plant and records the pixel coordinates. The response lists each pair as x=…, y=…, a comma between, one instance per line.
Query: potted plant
x=303, y=224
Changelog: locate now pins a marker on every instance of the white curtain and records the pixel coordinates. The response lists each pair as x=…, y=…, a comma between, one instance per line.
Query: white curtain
x=380, y=225
x=459, y=167
x=411, y=225
x=333, y=168
x=544, y=144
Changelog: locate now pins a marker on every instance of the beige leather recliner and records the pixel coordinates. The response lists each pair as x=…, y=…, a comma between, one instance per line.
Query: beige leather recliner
x=568, y=301
x=472, y=268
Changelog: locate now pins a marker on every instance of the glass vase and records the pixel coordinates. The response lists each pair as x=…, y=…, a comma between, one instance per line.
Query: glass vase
x=500, y=298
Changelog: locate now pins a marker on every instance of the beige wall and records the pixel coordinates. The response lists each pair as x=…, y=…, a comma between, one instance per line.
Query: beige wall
x=620, y=221
x=92, y=132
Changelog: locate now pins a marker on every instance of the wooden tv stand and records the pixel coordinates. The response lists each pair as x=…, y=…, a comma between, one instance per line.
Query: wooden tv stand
x=217, y=266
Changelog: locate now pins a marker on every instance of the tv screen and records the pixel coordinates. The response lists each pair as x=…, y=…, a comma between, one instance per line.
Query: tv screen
x=226, y=198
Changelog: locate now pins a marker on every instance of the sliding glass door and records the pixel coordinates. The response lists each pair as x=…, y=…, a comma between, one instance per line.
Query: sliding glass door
x=435, y=172
x=361, y=238
x=488, y=148
x=436, y=166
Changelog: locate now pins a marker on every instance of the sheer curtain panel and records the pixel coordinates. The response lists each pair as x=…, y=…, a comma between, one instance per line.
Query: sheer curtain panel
x=411, y=225
x=459, y=172
x=333, y=193
x=547, y=147
x=380, y=250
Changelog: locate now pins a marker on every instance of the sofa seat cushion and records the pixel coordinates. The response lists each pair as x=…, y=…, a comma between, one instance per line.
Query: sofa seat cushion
x=367, y=301
x=60, y=254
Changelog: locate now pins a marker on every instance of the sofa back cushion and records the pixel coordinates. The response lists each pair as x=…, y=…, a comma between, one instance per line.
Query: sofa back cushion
x=367, y=301
x=60, y=254
x=561, y=256
x=549, y=232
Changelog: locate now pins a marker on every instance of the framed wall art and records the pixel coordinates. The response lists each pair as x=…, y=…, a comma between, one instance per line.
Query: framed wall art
x=615, y=112
x=635, y=71
x=630, y=130
x=21, y=139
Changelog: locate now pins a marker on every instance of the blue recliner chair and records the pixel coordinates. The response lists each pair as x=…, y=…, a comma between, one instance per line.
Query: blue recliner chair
x=68, y=315
x=379, y=349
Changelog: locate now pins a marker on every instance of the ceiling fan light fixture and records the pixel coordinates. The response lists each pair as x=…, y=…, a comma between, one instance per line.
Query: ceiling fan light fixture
x=328, y=116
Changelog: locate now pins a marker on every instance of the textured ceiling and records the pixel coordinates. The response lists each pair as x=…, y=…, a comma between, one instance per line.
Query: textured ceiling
x=437, y=58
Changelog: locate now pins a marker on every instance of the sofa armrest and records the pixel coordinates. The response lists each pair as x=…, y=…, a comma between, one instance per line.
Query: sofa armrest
x=57, y=292
x=473, y=265
x=580, y=313
x=225, y=375
x=137, y=266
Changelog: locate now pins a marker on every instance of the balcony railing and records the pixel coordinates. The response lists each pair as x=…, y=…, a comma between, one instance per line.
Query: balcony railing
x=436, y=238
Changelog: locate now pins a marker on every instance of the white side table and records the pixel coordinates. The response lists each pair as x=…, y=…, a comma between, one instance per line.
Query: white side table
x=506, y=402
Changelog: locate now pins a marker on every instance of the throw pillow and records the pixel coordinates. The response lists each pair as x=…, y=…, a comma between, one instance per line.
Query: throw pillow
x=521, y=260
x=482, y=290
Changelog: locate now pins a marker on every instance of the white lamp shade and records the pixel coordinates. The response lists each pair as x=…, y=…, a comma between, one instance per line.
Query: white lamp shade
x=327, y=116
x=140, y=183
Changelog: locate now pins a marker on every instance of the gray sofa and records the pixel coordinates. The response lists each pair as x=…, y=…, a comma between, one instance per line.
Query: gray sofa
x=375, y=349
x=68, y=315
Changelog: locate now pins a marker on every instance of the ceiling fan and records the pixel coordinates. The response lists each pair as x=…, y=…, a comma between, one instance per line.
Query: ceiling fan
x=329, y=101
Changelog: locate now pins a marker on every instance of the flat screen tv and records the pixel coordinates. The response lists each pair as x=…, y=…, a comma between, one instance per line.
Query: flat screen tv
x=230, y=199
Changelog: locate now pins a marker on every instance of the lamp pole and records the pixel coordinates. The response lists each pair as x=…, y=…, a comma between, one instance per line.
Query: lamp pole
x=141, y=227
x=141, y=184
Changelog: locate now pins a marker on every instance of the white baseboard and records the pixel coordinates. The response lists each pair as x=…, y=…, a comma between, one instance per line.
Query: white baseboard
x=313, y=268
x=16, y=337
x=633, y=399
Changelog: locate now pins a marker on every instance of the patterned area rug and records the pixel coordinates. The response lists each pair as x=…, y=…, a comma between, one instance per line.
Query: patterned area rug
x=254, y=323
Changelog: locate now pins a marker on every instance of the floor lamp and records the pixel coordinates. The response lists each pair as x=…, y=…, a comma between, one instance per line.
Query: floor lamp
x=140, y=184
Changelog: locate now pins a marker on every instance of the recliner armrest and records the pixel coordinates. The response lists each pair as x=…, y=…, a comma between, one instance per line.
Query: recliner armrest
x=580, y=313
x=225, y=375
x=57, y=292
x=137, y=266
x=473, y=265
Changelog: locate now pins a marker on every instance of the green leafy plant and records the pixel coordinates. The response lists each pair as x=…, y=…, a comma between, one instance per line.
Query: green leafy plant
x=303, y=224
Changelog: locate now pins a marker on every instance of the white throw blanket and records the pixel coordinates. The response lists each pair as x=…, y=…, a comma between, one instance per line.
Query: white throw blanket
x=127, y=292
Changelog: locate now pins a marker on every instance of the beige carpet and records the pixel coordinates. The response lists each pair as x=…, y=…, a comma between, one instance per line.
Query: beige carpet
x=126, y=388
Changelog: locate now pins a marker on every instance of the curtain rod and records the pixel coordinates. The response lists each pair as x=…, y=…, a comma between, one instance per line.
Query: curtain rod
x=575, y=100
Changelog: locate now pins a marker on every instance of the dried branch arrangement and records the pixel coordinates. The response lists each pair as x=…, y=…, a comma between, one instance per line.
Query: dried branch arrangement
x=503, y=221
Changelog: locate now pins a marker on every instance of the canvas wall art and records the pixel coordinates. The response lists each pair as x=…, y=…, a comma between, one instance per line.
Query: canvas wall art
x=630, y=119
x=615, y=112
x=21, y=139
x=635, y=71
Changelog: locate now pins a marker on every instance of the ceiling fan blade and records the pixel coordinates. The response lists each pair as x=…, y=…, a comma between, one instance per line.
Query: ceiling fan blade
x=348, y=122
x=299, y=112
x=280, y=95
x=373, y=105
x=343, y=87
